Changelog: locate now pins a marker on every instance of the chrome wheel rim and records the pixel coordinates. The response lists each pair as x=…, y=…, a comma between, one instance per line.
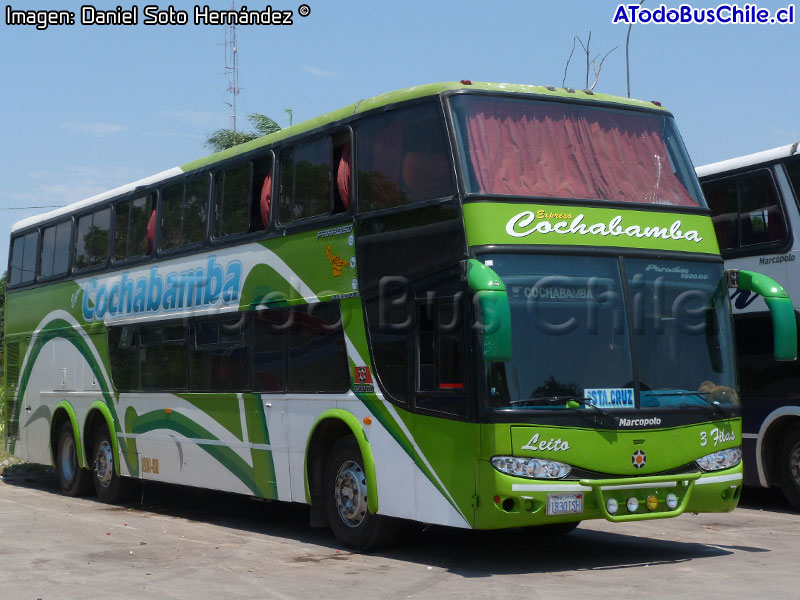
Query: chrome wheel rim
x=67, y=459
x=103, y=463
x=350, y=493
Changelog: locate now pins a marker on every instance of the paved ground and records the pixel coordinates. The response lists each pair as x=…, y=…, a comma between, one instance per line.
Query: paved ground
x=179, y=543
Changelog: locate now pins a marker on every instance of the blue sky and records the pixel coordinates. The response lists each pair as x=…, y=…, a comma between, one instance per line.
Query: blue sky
x=87, y=108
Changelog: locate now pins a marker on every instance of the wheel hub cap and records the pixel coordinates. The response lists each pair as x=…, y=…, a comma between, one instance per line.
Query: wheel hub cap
x=104, y=463
x=351, y=494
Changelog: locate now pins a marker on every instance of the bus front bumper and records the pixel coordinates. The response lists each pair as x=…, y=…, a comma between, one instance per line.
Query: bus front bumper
x=517, y=502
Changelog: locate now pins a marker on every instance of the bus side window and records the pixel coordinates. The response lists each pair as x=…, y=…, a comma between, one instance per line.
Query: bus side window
x=232, y=189
x=722, y=200
x=220, y=355
x=163, y=356
x=402, y=157
x=760, y=374
x=746, y=210
x=123, y=354
x=23, y=258
x=91, y=242
x=760, y=211
x=317, y=354
x=131, y=227
x=306, y=189
x=185, y=212
x=54, y=258
x=440, y=358
x=793, y=170
x=270, y=338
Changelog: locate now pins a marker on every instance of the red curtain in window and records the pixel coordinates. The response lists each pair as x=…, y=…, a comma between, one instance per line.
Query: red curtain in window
x=569, y=151
x=151, y=231
x=343, y=176
x=266, y=199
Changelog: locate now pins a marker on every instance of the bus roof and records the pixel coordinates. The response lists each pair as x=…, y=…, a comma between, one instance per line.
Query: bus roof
x=361, y=106
x=749, y=160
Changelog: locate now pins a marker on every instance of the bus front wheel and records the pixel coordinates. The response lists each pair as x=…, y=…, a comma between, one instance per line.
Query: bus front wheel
x=346, y=500
x=72, y=479
x=789, y=465
x=110, y=487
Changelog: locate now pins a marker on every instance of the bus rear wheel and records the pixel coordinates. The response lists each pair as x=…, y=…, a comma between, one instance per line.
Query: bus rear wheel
x=110, y=487
x=346, y=500
x=789, y=465
x=72, y=479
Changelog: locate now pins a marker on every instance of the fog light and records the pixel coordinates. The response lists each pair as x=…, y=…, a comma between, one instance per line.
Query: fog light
x=612, y=506
x=632, y=504
x=651, y=502
x=672, y=501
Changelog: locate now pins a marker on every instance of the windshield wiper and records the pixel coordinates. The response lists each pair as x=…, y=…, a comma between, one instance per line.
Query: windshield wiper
x=552, y=399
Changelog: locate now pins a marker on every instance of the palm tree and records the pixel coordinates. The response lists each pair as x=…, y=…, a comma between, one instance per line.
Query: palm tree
x=222, y=139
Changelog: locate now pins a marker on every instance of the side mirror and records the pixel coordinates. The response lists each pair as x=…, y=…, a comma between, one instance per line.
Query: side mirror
x=781, y=309
x=492, y=300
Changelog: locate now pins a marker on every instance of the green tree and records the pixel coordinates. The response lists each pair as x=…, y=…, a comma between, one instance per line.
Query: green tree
x=3, y=281
x=222, y=139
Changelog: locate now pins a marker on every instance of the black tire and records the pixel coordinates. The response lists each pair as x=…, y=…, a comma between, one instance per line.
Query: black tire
x=789, y=465
x=109, y=486
x=555, y=529
x=346, y=501
x=72, y=479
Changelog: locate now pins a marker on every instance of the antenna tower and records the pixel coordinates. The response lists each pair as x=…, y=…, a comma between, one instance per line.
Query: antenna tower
x=232, y=67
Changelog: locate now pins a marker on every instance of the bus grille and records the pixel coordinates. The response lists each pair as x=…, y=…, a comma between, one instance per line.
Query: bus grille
x=577, y=473
x=11, y=417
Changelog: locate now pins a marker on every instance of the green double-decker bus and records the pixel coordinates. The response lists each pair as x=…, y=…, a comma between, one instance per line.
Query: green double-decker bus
x=468, y=304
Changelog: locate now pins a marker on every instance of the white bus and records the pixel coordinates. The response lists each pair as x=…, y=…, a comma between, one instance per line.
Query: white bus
x=755, y=202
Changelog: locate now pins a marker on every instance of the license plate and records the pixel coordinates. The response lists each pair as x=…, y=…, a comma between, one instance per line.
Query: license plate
x=564, y=504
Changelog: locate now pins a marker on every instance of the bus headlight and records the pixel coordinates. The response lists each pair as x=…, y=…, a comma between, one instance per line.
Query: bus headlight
x=724, y=459
x=532, y=468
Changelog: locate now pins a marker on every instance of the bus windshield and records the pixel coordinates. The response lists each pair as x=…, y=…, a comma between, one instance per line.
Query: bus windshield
x=529, y=148
x=586, y=328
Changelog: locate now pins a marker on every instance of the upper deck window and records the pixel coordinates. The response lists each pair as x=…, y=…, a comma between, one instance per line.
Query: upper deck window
x=402, y=157
x=521, y=147
x=91, y=242
x=134, y=229
x=306, y=180
x=746, y=210
x=23, y=258
x=54, y=258
x=232, y=200
x=185, y=207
